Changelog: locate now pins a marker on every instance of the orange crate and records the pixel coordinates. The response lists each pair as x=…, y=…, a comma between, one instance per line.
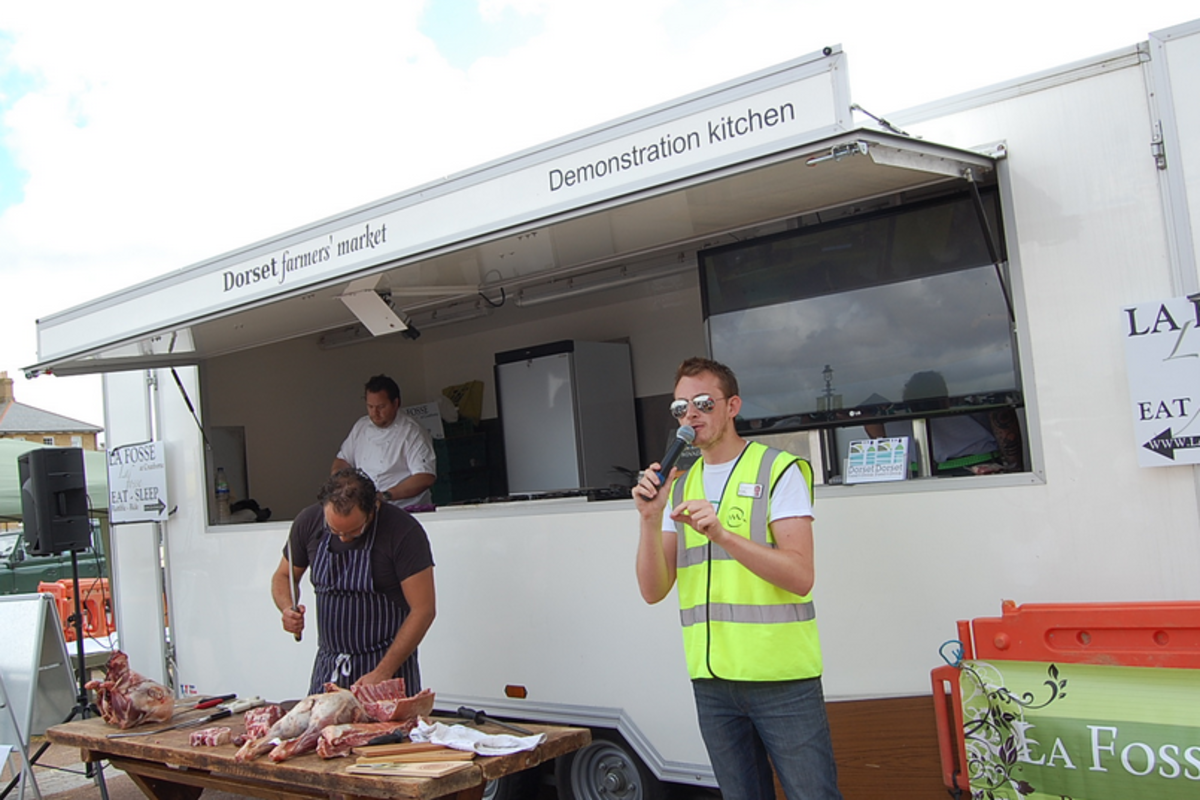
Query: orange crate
x=95, y=602
x=62, y=604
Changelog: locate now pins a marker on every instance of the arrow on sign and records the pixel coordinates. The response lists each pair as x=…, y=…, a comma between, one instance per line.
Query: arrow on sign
x=158, y=505
x=1165, y=444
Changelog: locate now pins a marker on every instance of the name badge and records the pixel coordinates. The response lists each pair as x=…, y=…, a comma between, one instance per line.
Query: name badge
x=750, y=490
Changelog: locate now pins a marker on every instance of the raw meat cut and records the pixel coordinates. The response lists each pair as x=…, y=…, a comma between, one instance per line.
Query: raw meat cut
x=379, y=692
x=259, y=720
x=299, y=729
x=385, y=702
x=127, y=698
x=211, y=737
x=339, y=740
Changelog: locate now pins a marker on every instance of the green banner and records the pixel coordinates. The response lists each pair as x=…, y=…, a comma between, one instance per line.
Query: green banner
x=1079, y=731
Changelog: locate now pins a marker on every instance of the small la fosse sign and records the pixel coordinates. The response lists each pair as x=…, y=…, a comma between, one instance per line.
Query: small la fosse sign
x=137, y=483
x=1162, y=359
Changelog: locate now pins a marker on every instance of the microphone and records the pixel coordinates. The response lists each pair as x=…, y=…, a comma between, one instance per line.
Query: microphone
x=683, y=437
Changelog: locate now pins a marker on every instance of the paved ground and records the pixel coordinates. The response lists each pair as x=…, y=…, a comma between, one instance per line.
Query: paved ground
x=60, y=774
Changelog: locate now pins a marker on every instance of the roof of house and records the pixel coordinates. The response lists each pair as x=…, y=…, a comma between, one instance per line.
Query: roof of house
x=19, y=418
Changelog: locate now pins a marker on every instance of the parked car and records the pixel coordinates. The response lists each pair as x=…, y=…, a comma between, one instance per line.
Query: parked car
x=21, y=572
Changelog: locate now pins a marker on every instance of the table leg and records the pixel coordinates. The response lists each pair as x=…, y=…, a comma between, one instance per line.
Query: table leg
x=470, y=793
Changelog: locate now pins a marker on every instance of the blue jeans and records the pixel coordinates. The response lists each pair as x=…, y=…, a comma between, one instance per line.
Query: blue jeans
x=744, y=722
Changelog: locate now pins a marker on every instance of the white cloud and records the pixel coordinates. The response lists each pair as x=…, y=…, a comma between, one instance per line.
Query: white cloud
x=157, y=135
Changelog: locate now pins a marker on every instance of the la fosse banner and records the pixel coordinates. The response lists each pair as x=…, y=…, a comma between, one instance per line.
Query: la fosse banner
x=1037, y=731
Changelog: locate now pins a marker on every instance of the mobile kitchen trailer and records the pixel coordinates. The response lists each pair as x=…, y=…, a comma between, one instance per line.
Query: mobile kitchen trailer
x=997, y=236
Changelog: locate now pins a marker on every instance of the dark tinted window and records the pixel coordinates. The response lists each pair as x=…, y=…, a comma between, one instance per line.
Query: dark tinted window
x=875, y=299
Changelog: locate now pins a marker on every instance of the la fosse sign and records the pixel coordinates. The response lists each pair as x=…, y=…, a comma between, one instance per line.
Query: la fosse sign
x=1162, y=355
x=137, y=483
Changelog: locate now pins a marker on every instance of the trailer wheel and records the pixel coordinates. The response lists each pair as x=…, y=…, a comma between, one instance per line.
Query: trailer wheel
x=523, y=785
x=605, y=769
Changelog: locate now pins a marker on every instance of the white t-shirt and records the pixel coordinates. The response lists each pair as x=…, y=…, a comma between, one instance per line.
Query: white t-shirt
x=391, y=454
x=790, y=498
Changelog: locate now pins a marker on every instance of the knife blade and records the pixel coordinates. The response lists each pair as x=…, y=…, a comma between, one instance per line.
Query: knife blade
x=292, y=579
x=228, y=710
x=394, y=737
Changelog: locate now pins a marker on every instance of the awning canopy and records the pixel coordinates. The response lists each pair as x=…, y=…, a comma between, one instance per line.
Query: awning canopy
x=618, y=202
x=853, y=167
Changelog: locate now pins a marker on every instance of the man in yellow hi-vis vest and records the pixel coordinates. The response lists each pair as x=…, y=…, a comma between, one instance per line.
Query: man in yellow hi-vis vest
x=735, y=532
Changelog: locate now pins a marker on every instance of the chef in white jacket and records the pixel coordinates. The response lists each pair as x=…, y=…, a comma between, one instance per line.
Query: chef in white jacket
x=390, y=447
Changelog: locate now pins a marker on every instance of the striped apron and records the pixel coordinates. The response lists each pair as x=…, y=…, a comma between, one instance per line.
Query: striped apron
x=355, y=624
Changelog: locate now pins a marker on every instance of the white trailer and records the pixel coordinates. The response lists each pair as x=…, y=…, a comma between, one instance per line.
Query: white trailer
x=1090, y=175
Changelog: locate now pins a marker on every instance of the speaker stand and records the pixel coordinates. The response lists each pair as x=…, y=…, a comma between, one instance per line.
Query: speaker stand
x=83, y=707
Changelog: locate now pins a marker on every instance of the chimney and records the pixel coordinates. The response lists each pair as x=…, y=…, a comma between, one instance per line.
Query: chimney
x=6, y=388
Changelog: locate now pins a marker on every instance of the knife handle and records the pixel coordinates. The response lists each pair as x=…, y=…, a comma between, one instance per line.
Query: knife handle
x=216, y=701
x=238, y=706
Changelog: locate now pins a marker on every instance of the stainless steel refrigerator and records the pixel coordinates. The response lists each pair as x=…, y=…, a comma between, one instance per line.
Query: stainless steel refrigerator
x=567, y=414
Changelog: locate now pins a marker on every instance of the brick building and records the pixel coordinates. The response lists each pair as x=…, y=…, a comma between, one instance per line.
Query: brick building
x=20, y=421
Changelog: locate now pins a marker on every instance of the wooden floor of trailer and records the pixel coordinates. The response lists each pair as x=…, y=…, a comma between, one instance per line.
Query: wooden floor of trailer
x=886, y=748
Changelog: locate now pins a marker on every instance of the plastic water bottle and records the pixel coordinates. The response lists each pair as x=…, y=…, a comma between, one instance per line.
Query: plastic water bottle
x=222, y=497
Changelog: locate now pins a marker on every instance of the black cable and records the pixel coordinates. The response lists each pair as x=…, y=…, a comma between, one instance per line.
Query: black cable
x=503, y=298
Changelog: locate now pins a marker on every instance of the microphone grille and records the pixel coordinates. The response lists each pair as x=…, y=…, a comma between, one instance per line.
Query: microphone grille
x=687, y=433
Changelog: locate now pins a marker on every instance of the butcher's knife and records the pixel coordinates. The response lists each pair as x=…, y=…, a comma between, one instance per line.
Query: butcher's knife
x=389, y=738
x=228, y=710
x=292, y=579
x=479, y=718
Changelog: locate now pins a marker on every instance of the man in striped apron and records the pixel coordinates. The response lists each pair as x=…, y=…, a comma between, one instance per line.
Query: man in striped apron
x=735, y=534
x=372, y=572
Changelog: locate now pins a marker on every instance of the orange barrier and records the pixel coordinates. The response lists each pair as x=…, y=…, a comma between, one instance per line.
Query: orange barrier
x=1114, y=634
x=65, y=609
x=95, y=601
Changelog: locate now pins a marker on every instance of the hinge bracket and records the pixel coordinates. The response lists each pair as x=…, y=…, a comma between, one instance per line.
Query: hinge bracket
x=1158, y=147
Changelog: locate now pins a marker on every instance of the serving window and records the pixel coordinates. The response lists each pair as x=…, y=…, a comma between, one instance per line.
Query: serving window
x=889, y=323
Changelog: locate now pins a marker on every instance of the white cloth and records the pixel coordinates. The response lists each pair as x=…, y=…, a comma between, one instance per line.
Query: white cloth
x=391, y=454
x=790, y=499
x=460, y=737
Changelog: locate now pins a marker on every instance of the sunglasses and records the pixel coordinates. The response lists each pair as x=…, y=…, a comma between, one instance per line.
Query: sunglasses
x=704, y=403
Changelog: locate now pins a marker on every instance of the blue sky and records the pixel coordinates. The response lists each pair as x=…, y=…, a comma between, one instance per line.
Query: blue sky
x=147, y=136
x=14, y=84
x=463, y=36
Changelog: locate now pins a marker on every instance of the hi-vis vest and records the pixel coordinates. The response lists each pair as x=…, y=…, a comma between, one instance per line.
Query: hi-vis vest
x=737, y=626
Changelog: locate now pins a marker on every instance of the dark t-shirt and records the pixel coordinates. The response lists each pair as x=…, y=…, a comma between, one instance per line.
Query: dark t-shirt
x=401, y=547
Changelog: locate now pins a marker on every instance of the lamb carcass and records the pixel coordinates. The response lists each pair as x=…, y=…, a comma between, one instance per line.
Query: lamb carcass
x=127, y=698
x=386, y=704
x=298, y=730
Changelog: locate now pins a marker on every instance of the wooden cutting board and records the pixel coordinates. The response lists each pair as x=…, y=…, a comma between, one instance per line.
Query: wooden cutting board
x=446, y=754
x=398, y=748
x=424, y=769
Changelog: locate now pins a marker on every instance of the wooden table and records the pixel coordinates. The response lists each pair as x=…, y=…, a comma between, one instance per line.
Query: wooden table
x=165, y=767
